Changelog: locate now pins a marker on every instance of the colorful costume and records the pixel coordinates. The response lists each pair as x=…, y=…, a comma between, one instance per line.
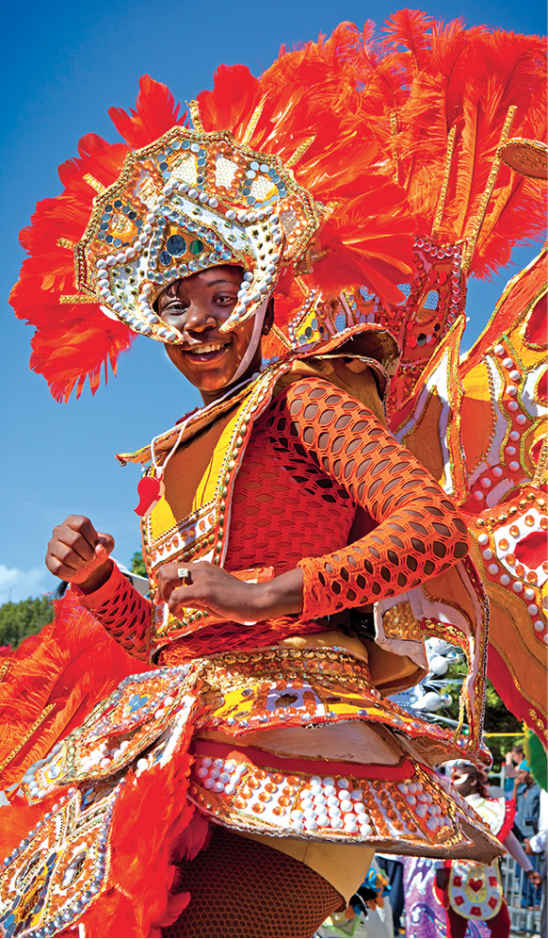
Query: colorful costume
x=425, y=915
x=280, y=730
x=475, y=891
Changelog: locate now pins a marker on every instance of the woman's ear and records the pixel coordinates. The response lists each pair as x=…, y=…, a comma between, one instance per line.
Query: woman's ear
x=269, y=317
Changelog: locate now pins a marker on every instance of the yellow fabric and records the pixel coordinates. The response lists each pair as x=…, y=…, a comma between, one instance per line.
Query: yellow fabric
x=344, y=866
x=196, y=464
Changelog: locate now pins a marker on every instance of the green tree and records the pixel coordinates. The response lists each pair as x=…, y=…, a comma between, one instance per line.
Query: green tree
x=137, y=564
x=19, y=620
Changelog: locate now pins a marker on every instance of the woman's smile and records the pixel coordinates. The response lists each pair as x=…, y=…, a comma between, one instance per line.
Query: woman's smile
x=204, y=352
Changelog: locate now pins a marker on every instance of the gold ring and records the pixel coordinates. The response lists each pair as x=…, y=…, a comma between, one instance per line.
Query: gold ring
x=184, y=575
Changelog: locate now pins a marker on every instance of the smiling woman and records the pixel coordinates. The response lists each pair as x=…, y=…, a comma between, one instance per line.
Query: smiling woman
x=234, y=772
x=197, y=306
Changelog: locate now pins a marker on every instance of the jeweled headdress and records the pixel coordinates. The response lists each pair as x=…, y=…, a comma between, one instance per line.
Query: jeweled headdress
x=358, y=163
x=189, y=201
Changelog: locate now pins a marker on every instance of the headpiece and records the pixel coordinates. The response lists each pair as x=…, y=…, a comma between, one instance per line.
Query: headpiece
x=353, y=164
x=190, y=201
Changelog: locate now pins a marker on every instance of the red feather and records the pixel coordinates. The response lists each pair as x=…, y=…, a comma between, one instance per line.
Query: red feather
x=365, y=121
x=154, y=114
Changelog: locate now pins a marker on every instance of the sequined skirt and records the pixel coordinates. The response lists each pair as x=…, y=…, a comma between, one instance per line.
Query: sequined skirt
x=116, y=800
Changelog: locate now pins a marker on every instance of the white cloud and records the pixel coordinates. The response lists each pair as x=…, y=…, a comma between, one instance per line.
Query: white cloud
x=16, y=584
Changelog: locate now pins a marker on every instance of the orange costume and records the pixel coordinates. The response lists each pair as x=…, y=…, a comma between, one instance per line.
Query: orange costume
x=281, y=730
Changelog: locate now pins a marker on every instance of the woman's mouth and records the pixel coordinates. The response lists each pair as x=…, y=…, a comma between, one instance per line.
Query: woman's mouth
x=206, y=351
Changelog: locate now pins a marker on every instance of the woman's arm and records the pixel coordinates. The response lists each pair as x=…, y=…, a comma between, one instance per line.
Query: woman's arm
x=514, y=848
x=419, y=532
x=122, y=610
x=78, y=553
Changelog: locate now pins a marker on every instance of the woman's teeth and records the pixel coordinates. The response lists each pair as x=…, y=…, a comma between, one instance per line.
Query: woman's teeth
x=208, y=348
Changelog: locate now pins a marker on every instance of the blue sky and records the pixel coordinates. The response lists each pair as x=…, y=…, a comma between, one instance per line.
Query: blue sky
x=64, y=66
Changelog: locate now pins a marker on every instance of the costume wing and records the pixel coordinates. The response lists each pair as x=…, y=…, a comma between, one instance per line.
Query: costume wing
x=478, y=422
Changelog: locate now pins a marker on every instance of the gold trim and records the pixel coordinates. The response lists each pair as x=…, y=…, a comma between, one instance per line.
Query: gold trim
x=311, y=212
x=66, y=243
x=393, y=132
x=302, y=286
x=542, y=468
x=300, y=151
x=253, y=121
x=473, y=235
x=23, y=742
x=76, y=298
x=94, y=183
x=445, y=184
x=194, y=109
x=280, y=336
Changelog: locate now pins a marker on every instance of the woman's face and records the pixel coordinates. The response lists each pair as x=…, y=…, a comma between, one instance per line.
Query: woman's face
x=197, y=306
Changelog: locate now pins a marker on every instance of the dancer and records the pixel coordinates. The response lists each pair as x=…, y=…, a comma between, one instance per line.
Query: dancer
x=235, y=783
x=471, y=891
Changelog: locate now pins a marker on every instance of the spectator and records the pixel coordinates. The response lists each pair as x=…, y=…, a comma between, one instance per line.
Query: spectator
x=470, y=890
x=526, y=825
x=510, y=768
x=537, y=845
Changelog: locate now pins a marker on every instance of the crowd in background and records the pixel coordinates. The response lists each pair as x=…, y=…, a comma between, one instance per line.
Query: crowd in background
x=402, y=897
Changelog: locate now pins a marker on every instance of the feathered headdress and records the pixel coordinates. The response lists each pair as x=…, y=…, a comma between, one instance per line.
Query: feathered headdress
x=313, y=178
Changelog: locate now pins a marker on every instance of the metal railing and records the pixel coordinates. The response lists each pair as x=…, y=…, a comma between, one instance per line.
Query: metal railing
x=523, y=922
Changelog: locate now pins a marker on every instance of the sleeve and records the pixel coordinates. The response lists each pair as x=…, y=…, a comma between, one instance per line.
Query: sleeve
x=122, y=611
x=419, y=531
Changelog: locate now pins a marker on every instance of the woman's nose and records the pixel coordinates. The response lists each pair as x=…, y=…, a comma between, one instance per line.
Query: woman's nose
x=197, y=320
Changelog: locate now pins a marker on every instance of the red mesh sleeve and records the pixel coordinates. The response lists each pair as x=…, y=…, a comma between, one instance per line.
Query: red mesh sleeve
x=419, y=531
x=123, y=612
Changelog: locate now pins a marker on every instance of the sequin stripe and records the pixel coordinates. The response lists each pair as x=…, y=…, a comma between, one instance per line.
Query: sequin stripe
x=16, y=750
x=122, y=611
x=419, y=532
x=412, y=811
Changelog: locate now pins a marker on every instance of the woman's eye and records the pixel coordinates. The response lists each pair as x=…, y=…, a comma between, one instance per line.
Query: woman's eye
x=174, y=307
x=225, y=299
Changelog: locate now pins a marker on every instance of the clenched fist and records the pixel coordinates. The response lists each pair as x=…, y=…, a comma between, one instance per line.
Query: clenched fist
x=80, y=554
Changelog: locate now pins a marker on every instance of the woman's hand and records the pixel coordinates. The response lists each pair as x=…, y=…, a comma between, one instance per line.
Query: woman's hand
x=208, y=587
x=80, y=554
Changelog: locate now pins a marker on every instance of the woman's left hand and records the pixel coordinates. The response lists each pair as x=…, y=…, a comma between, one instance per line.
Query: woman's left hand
x=204, y=586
